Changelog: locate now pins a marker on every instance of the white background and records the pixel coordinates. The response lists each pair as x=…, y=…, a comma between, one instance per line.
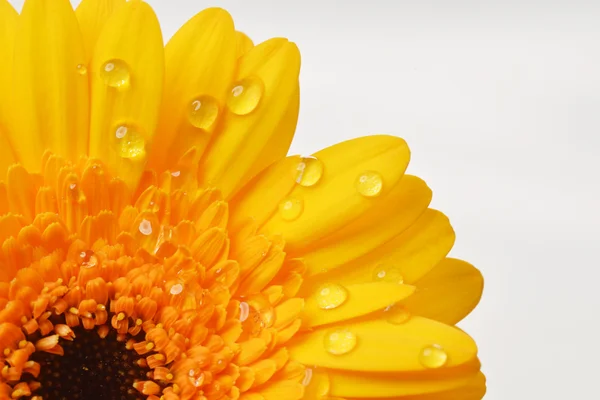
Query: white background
x=500, y=103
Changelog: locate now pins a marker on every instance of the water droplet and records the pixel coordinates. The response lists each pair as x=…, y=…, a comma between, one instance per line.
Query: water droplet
x=308, y=374
x=145, y=227
x=81, y=69
x=130, y=142
x=72, y=186
x=244, y=311
x=369, y=184
x=176, y=288
x=387, y=274
x=340, y=342
x=115, y=73
x=433, y=356
x=396, y=314
x=203, y=112
x=331, y=296
x=291, y=208
x=89, y=259
x=310, y=170
x=175, y=173
x=245, y=96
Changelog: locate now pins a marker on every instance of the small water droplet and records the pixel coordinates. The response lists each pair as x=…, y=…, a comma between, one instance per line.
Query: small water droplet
x=340, y=342
x=203, y=112
x=387, y=274
x=175, y=173
x=244, y=311
x=130, y=142
x=291, y=208
x=308, y=374
x=145, y=227
x=245, y=96
x=310, y=170
x=72, y=186
x=81, y=69
x=115, y=73
x=331, y=296
x=176, y=289
x=433, y=356
x=89, y=259
x=396, y=314
x=369, y=184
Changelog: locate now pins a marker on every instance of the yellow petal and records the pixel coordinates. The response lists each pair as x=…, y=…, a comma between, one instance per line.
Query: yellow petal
x=287, y=312
x=244, y=43
x=378, y=225
x=409, y=255
x=258, y=127
x=288, y=390
x=51, y=105
x=361, y=299
x=8, y=26
x=127, y=81
x=92, y=15
x=382, y=346
x=200, y=65
x=335, y=200
x=457, y=282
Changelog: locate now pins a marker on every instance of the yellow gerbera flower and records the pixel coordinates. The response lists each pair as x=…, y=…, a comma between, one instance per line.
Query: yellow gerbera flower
x=157, y=243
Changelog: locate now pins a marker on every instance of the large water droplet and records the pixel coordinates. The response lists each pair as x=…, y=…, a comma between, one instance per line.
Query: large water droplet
x=291, y=208
x=331, y=295
x=369, y=184
x=176, y=289
x=115, y=73
x=130, y=142
x=433, y=356
x=244, y=311
x=396, y=314
x=245, y=96
x=145, y=227
x=310, y=170
x=340, y=341
x=203, y=112
x=81, y=69
x=387, y=274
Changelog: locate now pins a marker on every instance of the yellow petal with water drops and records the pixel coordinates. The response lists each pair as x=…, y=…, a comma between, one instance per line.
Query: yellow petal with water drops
x=260, y=117
x=243, y=43
x=457, y=282
x=8, y=26
x=200, y=64
x=127, y=71
x=369, y=385
x=92, y=15
x=50, y=95
x=416, y=345
x=287, y=312
x=261, y=197
x=394, y=214
x=331, y=303
x=357, y=175
x=407, y=257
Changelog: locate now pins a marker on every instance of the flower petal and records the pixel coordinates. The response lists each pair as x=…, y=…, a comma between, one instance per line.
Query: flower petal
x=362, y=299
x=92, y=15
x=130, y=44
x=200, y=64
x=254, y=138
x=8, y=26
x=51, y=105
x=457, y=282
x=334, y=201
x=244, y=43
x=383, y=346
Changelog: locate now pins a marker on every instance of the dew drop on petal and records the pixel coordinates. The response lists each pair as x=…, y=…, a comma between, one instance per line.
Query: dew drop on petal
x=291, y=208
x=396, y=314
x=176, y=289
x=309, y=171
x=145, y=227
x=387, y=274
x=245, y=96
x=331, y=296
x=340, y=342
x=203, y=112
x=369, y=184
x=244, y=311
x=115, y=73
x=308, y=373
x=130, y=142
x=175, y=174
x=433, y=356
x=81, y=69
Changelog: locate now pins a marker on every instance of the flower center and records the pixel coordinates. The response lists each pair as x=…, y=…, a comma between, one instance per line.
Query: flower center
x=91, y=368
